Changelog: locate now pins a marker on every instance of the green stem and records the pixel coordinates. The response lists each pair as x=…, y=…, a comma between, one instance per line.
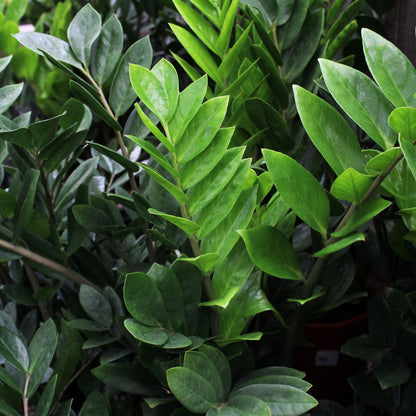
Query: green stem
x=35, y=286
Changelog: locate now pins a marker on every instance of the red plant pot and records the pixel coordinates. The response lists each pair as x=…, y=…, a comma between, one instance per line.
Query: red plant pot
x=325, y=366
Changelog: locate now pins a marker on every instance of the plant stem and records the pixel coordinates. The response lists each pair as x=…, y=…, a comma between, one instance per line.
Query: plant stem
x=49, y=203
x=65, y=271
x=125, y=152
x=300, y=315
x=35, y=286
x=25, y=398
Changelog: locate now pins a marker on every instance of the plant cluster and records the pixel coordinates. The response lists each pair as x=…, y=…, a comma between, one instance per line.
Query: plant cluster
x=176, y=239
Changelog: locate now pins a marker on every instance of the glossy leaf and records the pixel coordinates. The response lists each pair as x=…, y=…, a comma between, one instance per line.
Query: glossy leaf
x=409, y=153
x=13, y=349
x=8, y=95
x=87, y=98
x=339, y=245
x=364, y=213
x=122, y=95
x=204, y=262
x=329, y=132
x=147, y=334
x=57, y=48
x=351, y=186
x=202, y=129
x=82, y=32
x=189, y=102
x=391, y=69
x=380, y=163
x=227, y=26
x=403, y=121
x=192, y=390
x=271, y=252
x=361, y=99
x=96, y=305
x=129, y=165
x=107, y=50
x=300, y=190
x=184, y=224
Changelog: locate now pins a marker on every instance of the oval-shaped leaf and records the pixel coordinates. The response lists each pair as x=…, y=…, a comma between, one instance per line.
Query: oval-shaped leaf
x=13, y=349
x=403, y=120
x=96, y=305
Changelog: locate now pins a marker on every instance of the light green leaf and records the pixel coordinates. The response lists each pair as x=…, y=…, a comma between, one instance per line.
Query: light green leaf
x=82, y=32
x=107, y=50
x=329, y=131
x=403, y=121
x=361, y=99
x=198, y=52
x=147, y=334
x=202, y=129
x=202, y=165
x=122, y=95
x=205, y=262
x=409, y=152
x=207, y=189
x=189, y=102
x=391, y=69
x=339, y=245
x=57, y=48
x=271, y=252
x=379, y=164
x=184, y=224
x=364, y=213
x=16, y=9
x=351, y=186
x=282, y=400
x=169, y=186
x=300, y=190
x=193, y=391
x=227, y=26
x=13, y=349
x=8, y=95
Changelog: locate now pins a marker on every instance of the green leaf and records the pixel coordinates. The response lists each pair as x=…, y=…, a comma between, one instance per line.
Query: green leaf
x=198, y=52
x=211, y=215
x=202, y=165
x=82, y=174
x=16, y=10
x=392, y=372
x=122, y=95
x=351, y=186
x=208, y=9
x=25, y=201
x=339, y=245
x=57, y=48
x=364, y=213
x=166, y=73
x=329, y=132
x=155, y=153
x=282, y=400
x=7, y=410
x=301, y=52
x=201, y=364
x=346, y=16
x=41, y=351
x=96, y=305
x=242, y=406
x=184, y=224
x=147, y=334
x=361, y=99
x=189, y=102
x=193, y=391
x=144, y=300
x=99, y=341
x=223, y=237
x=176, y=340
x=7, y=379
x=391, y=69
x=107, y=50
x=150, y=90
x=271, y=252
x=381, y=162
x=90, y=218
x=409, y=153
x=86, y=325
x=13, y=349
x=223, y=41
x=300, y=190
x=169, y=186
x=45, y=401
x=95, y=403
x=203, y=29
x=82, y=32
x=273, y=379
x=207, y=189
x=7, y=204
x=205, y=262
x=129, y=165
x=364, y=347
x=202, y=129
x=403, y=121
x=87, y=98
x=8, y=95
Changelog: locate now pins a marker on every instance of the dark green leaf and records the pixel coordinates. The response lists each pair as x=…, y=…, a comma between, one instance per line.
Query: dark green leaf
x=95, y=403
x=242, y=406
x=13, y=349
x=95, y=305
x=147, y=334
x=45, y=401
x=129, y=165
